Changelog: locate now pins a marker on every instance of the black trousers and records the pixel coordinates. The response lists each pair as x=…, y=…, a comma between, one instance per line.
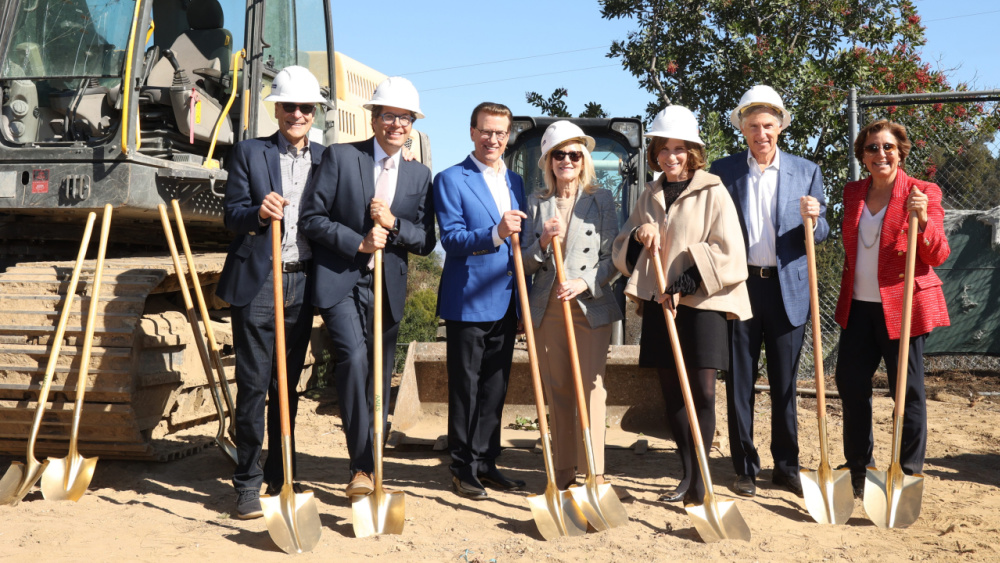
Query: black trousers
x=351, y=324
x=479, y=357
x=257, y=376
x=863, y=343
x=782, y=343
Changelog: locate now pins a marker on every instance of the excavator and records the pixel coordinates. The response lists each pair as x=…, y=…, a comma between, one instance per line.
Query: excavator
x=135, y=103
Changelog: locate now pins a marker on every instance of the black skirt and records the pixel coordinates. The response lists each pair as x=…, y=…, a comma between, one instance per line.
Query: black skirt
x=704, y=337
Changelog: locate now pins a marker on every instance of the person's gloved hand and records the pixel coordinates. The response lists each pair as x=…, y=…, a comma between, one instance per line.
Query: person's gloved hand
x=687, y=283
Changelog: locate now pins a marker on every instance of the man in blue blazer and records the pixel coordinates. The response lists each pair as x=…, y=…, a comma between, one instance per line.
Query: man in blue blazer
x=266, y=180
x=479, y=205
x=363, y=197
x=773, y=192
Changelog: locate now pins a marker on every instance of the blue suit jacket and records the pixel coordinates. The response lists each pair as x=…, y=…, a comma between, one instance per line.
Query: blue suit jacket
x=254, y=171
x=796, y=177
x=336, y=217
x=477, y=281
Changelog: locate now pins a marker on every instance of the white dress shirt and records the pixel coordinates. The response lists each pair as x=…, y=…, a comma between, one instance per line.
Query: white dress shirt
x=496, y=181
x=762, y=207
x=866, y=267
x=393, y=172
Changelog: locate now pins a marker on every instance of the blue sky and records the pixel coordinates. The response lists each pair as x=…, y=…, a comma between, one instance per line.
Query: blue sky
x=409, y=39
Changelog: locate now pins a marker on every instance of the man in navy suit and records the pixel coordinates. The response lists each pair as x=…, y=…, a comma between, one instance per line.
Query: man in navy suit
x=773, y=192
x=266, y=180
x=365, y=197
x=479, y=205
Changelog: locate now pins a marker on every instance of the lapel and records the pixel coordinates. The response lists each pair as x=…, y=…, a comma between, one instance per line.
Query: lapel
x=896, y=218
x=272, y=163
x=579, y=219
x=366, y=166
x=402, y=184
x=743, y=190
x=514, y=204
x=785, y=186
x=477, y=184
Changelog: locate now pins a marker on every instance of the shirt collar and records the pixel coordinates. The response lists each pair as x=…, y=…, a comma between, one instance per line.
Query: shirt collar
x=287, y=147
x=380, y=154
x=776, y=163
x=483, y=168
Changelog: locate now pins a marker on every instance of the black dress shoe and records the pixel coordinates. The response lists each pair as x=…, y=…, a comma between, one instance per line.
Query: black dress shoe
x=744, y=486
x=275, y=490
x=858, y=484
x=790, y=482
x=500, y=481
x=467, y=489
x=675, y=495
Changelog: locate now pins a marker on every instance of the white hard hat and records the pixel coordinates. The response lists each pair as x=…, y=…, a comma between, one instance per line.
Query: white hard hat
x=560, y=132
x=295, y=84
x=675, y=122
x=761, y=95
x=396, y=92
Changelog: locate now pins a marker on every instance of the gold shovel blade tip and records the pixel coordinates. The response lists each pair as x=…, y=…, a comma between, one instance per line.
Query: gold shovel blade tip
x=385, y=515
x=556, y=515
x=292, y=520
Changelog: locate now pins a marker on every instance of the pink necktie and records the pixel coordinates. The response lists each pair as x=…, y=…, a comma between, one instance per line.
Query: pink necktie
x=382, y=192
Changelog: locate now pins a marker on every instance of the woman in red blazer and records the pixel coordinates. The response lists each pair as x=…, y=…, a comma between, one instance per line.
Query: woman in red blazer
x=869, y=309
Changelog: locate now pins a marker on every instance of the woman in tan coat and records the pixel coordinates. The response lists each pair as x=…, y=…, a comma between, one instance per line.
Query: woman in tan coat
x=687, y=217
x=584, y=218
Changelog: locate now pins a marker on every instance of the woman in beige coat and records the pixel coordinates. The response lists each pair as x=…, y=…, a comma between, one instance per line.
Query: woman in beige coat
x=687, y=217
x=584, y=218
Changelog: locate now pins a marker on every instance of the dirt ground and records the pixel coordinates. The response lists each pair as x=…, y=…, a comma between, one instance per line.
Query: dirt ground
x=181, y=510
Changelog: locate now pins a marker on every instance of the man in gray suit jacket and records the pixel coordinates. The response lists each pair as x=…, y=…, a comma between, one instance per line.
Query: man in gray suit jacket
x=773, y=192
x=365, y=197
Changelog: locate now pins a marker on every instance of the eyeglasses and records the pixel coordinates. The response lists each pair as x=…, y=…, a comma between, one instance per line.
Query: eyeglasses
x=305, y=109
x=574, y=156
x=405, y=120
x=487, y=135
x=873, y=148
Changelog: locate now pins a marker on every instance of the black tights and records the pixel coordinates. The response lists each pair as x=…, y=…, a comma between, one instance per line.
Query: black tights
x=702, y=382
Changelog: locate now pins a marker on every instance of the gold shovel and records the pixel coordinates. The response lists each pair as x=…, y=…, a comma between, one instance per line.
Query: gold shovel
x=213, y=346
x=556, y=513
x=828, y=494
x=68, y=478
x=20, y=477
x=598, y=502
x=226, y=445
x=713, y=519
x=892, y=499
x=292, y=518
x=379, y=512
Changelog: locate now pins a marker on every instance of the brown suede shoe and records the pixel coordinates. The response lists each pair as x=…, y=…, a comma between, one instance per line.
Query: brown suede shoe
x=361, y=484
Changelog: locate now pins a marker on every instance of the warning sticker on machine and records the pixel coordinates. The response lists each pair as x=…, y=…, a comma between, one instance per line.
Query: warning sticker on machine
x=40, y=181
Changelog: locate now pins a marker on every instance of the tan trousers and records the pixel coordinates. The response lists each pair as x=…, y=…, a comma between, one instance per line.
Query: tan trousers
x=557, y=377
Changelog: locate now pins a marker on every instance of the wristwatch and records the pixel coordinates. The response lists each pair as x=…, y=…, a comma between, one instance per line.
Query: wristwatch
x=395, y=227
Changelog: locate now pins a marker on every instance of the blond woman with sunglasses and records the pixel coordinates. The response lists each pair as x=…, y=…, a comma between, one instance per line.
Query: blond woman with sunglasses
x=583, y=216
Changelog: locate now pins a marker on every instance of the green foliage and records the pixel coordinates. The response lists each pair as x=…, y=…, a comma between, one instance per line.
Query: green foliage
x=555, y=105
x=419, y=319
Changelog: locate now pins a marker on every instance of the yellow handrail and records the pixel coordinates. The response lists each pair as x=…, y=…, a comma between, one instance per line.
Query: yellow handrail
x=237, y=61
x=127, y=85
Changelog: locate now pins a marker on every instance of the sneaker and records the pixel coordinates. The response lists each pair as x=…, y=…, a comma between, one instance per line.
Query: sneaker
x=248, y=505
x=361, y=484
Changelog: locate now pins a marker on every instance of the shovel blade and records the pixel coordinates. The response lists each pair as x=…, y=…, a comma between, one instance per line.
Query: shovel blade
x=228, y=448
x=892, y=499
x=556, y=514
x=718, y=520
x=292, y=519
x=378, y=513
x=828, y=495
x=19, y=479
x=67, y=478
x=600, y=505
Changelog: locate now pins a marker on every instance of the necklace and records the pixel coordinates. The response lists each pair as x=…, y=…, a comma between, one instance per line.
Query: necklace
x=878, y=231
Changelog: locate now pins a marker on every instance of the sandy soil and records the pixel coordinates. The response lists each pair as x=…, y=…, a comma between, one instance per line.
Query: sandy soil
x=180, y=510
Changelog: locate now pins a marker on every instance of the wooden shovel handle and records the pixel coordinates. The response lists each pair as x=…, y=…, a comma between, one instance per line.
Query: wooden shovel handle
x=904, y=329
x=675, y=346
x=574, y=355
x=529, y=334
x=377, y=367
x=279, y=329
x=814, y=313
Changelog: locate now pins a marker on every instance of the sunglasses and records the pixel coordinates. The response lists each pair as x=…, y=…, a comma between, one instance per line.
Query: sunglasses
x=574, y=156
x=305, y=109
x=873, y=148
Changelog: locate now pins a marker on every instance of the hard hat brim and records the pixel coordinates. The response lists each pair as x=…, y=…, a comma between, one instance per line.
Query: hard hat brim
x=588, y=142
x=297, y=99
x=368, y=106
x=734, y=117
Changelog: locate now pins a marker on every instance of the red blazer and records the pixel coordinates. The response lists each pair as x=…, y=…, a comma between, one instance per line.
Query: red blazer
x=929, y=309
